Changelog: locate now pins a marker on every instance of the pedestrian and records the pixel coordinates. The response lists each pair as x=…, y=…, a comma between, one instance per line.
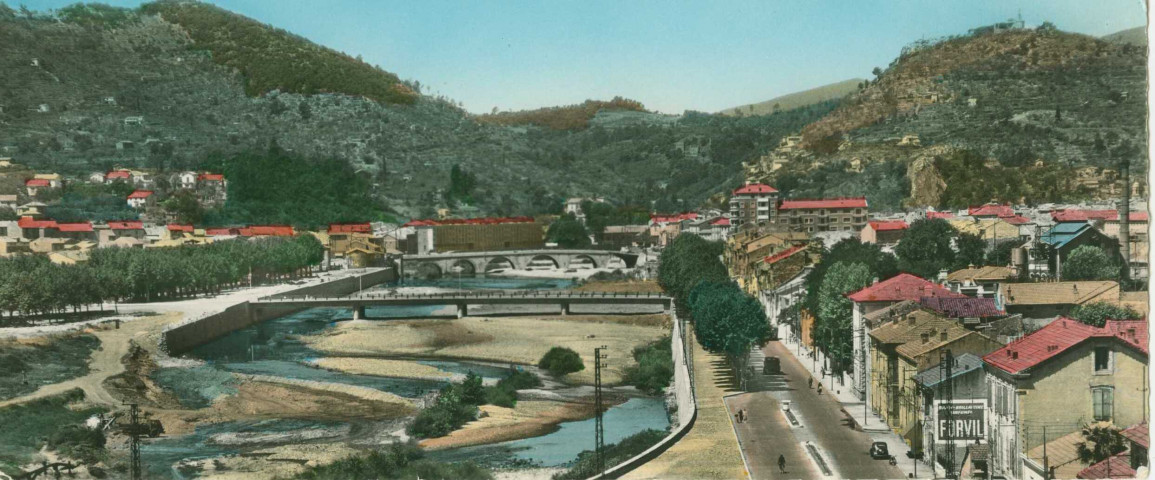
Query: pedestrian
x=810, y=383
x=742, y=412
x=782, y=463
x=820, y=389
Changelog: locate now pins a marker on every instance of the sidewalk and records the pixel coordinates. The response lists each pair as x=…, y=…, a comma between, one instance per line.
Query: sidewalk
x=870, y=422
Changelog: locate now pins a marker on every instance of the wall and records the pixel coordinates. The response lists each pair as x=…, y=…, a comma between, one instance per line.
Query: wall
x=182, y=337
x=499, y=236
x=684, y=398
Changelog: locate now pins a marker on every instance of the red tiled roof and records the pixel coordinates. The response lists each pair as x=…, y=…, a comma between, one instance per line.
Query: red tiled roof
x=216, y=232
x=991, y=210
x=943, y=215
x=783, y=254
x=271, y=230
x=350, y=228
x=74, y=227
x=1086, y=215
x=1060, y=335
x=903, y=286
x=245, y=232
x=118, y=174
x=173, y=227
x=1116, y=466
x=755, y=188
x=1016, y=220
x=140, y=194
x=469, y=221
x=211, y=177
x=126, y=225
x=849, y=202
x=1138, y=434
x=673, y=218
x=36, y=182
x=888, y=225
x=721, y=221
x=29, y=222
x=964, y=307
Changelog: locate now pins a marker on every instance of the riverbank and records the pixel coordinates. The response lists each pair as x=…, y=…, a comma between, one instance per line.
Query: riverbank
x=516, y=340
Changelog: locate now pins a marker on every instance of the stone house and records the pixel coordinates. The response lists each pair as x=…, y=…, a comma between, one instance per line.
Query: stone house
x=142, y=199
x=883, y=232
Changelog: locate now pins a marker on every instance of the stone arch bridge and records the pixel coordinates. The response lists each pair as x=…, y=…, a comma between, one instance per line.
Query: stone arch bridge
x=438, y=264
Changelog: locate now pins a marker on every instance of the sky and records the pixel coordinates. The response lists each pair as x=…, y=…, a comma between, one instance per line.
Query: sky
x=673, y=55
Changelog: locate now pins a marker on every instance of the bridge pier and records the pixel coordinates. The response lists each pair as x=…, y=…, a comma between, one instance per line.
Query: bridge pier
x=462, y=310
x=565, y=309
x=358, y=312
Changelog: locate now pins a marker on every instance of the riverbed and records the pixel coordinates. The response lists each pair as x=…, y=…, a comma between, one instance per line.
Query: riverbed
x=274, y=349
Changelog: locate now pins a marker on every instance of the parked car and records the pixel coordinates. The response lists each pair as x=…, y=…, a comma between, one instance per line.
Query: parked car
x=879, y=451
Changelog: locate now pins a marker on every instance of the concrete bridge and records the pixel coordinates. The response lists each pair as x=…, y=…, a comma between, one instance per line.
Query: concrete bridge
x=469, y=263
x=462, y=300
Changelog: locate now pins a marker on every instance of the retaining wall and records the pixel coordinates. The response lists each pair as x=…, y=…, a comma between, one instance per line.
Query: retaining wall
x=684, y=398
x=188, y=335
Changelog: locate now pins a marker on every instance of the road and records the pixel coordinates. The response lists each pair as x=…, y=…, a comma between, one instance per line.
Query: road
x=822, y=424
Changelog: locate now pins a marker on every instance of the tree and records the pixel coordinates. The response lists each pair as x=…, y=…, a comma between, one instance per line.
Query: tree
x=1000, y=255
x=833, y=329
x=568, y=232
x=728, y=321
x=1100, y=443
x=1089, y=262
x=925, y=249
x=971, y=251
x=1097, y=313
x=472, y=391
x=882, y=265
x=185, y=206
x=461, y=185
x=688, y=261
x=559, y=361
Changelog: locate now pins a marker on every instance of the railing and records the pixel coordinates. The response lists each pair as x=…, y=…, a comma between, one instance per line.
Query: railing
x=465, y=296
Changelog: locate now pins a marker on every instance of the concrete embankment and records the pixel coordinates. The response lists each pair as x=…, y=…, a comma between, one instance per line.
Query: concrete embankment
x=184, y=336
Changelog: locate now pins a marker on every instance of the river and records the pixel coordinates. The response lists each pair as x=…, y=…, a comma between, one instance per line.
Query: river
x=269, y=348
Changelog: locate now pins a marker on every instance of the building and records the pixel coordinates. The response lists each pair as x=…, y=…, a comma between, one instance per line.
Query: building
x=573, y=206
x=1064, y=238
x=624, y=236
x=883, y=232
x=345, y=239
x=1132, y=463
x=142, y=199
x=715, y=229
x=991, y=210
x=665, y=228
x=1053, y=299
x=993, y=230
x=905, y=345
x=774, y=270
x=78, y=231
x=878, y=296
x=9, y=202
x=475, y=234
x=821, y=215
x=118, y=175
x=212, y=189
x=1044, y=387
x=121, y=233
x=753, y=203
x=34, y=186
x=981, y=282
x=32, y=229
x=1139, y=242
x=743, y=250
x=266, y=231
x=951, y=394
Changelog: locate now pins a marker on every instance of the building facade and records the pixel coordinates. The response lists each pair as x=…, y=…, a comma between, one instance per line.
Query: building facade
x=753, y=204
x=823, y=215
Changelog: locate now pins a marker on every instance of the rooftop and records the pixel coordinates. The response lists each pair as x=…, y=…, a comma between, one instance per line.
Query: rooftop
x=842, y=202
x=754, y=188
x=74, y=227
x=1059, y=336
x=140, y=194
x=991, y=210
x=783, y=254
x=126, y=225
x=966, y=307
x=37, y=182
x=979, y=274
x=888, y=225
x=350, y=228
x=1075, y=215
x=173, y=227
x=963, y=364
x=903, y=286
x=1058, y=293
x=470, y=221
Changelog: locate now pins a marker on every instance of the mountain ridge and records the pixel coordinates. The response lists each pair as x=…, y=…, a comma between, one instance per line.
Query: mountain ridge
x=802, y=98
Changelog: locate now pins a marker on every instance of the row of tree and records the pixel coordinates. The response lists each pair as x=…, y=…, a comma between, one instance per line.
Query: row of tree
x=34, y=285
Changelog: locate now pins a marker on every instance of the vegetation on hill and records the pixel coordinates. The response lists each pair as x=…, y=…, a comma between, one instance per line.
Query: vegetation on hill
x=790, y=101
x=272, y=59
x=569, y=117
x=1134, y=36
x=30, y=426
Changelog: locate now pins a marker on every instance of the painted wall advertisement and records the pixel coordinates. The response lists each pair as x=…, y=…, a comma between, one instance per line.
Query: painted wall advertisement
x=960, y=420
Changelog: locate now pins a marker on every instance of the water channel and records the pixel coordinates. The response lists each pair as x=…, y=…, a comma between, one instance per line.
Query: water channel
x=270, y=348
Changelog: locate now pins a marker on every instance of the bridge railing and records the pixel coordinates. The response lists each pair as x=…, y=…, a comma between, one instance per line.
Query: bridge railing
x=466, y=296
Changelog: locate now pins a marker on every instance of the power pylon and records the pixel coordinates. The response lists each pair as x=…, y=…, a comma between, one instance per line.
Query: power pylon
x=134, y=431
x=599, y=422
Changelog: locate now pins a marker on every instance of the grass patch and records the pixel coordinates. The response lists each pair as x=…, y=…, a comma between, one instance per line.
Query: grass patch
x=586, y=464
x=58, y=359
x=655, y=368
x=29, y=426
x=400, y=461
x=457, y=403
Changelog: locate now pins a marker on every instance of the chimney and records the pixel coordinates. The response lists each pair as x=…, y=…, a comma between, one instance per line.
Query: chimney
x=944, y=335
x=910, y=319
x=1075, y=287
x=875, y=281
x=1131, y=333
x=925, y=337
x=1014, y=355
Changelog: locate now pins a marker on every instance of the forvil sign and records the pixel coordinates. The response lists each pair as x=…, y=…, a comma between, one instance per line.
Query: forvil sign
x=960, y=420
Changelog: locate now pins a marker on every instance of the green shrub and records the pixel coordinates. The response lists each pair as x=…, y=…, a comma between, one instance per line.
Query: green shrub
x=655, y=368
x=519, y=380
x=560, y=361
x=586, y=464
x=472, y=393
x=502, y=397
x=449, y=413
x=75, y=441
x=399, y=461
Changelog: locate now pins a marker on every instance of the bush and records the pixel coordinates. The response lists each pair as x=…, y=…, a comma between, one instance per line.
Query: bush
x=519, y=380
x=586, y=464
x=400, y=460
x=449, y=413
x=78, y=442
x=655, y=368
x=560, y=361
x=1096, y=314
x=472, y=392
x=501, y=397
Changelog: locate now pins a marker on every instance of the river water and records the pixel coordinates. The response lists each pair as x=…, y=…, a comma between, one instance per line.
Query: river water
x=270, y=348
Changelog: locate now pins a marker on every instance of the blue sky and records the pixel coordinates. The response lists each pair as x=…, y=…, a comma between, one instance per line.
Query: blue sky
x=670, y=55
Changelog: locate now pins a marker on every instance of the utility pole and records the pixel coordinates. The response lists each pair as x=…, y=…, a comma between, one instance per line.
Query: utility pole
x=946, y=397
x=599, y=423
x=1046, y=465
x=1125, y=213
x=134, y=443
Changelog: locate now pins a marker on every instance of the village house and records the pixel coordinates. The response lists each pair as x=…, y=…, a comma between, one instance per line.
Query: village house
x=33, y=186
x=142, y=199
x=883, y=232
x=75, y=231
x=982, y=282
x=971, y=312
x=1064, y=238
x=54, y=180
x=212, y=189
x=713, y=229
x=665, y=228
x=753, y=203
x=745, y=249
x=1046, y=386
x=878, y=296
x=821, y=215
x=778, y=268
x=954, y=390
x=991, y=210
x=129, y=233
x=993, y=230
x=118, y=175
x=1049, y=300
x=31, y=229
x=901, y=348
x=8, y=201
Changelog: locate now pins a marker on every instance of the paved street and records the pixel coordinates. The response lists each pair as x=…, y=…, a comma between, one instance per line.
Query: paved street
x=822, y=424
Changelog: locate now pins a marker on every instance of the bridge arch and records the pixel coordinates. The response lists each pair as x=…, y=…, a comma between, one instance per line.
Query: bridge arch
x=584, y=261
x=428, y=270
x=462, y=267
x=615, y=262
x=539, y=259
x=498, y=262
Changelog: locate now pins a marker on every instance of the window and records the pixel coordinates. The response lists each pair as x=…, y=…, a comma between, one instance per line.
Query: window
x=1102, y=401
x=1102, y=360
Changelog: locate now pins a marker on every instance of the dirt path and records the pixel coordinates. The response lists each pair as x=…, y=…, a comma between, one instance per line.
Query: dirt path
x=106, y=361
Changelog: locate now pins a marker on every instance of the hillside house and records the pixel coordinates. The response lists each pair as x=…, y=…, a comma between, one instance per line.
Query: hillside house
x=993, y=230
x=142, y=199
x=133, y=121
x=878, y=296
x=78, y=231
x=212, y=189
x=714, y=229
x=753, y=203
x=33, y=186
x=1053, y=299
x=31, y=228
x=54, y=179
x=9, y=202
x=883, y=232
x=1063, y=376
x=118, y=175
x=665, y=228
x=820, y=215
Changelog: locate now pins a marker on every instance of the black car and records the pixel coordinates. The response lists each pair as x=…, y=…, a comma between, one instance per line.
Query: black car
x=879, y=451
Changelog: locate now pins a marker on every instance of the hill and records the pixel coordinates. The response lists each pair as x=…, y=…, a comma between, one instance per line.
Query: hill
x=1135, y=36
x=790, y=101
x=1005, y=102
x=178, y=85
